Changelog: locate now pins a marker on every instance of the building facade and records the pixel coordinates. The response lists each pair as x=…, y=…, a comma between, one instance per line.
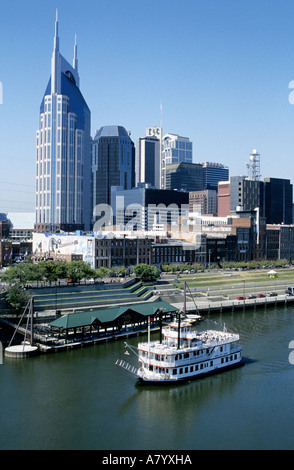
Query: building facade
x=148, y=209
x=175, y=149
x=213, y=173
x=203, y=201
x=246, y=193
x=280, y=242
x=63, y=170
x=122, y=251
x=113, y=163
x=148, y=161
x=223, y=199
x=278, y=197
x=184, y=177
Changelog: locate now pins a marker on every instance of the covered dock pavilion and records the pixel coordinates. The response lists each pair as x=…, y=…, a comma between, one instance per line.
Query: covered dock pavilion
x=110, y=321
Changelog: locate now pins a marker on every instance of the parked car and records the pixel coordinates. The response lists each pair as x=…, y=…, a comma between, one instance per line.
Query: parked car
x=260, y=296
x=271, y=294
x=240, y=298
x=290, y=290
x=251, y=296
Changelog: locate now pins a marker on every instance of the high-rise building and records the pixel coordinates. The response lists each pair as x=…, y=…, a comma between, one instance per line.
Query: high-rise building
x=213, y=173
x=113, y=162
x=175, y=149
x=144, y=208
x=156, y=131
x=63, y=170
x=246, y=193
x=278, y=200
x=148, y=158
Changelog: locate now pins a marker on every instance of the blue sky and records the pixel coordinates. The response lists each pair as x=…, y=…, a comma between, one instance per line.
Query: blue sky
x=220, y=68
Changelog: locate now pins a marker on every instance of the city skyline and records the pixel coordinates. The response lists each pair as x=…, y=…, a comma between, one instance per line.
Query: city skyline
x=221, y=72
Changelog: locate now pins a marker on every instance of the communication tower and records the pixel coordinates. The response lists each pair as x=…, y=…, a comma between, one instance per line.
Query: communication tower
x=253, y=166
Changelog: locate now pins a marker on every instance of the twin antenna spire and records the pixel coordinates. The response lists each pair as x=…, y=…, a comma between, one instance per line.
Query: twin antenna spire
x=56, y=44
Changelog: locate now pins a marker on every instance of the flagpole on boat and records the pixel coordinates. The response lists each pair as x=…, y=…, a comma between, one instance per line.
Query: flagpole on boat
x=185, y=298
x=148, y=338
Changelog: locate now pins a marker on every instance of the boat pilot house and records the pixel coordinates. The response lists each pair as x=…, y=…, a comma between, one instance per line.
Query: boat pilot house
x=110, y=321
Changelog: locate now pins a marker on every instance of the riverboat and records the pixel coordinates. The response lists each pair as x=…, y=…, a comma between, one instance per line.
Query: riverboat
x=184, y=354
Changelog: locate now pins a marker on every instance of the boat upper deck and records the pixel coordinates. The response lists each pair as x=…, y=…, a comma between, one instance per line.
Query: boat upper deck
x=194, y=341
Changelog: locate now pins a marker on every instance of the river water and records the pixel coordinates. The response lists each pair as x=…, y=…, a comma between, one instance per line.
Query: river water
x=79, y=399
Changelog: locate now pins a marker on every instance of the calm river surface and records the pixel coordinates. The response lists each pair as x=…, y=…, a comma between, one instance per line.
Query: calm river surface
x=80, y=400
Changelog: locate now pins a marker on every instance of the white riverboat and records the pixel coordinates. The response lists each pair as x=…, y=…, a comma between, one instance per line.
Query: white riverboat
x=184, y=354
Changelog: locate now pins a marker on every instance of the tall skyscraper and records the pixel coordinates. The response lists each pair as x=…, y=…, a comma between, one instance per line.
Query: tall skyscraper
x=63, y=172
x=148, y=158
x=113, y=162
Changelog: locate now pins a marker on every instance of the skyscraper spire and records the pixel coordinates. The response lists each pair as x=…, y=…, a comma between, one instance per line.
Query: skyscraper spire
x=55, y=61
x=75, y=60
x=56, y=37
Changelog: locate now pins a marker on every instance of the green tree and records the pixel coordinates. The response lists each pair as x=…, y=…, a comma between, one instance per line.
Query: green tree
x=17, y=297
x=77, y=270
x=48, y=270
x=146, y=272
x=15, y=274
x=100, y=273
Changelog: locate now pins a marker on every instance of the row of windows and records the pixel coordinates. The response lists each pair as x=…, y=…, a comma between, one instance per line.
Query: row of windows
x=195, y=367
x=118, y=252
x=121, y=242
x=176, y=144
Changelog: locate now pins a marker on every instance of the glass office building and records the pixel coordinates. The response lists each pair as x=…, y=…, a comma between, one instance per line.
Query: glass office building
x=213, y=173
x=113, y=163
x=148, y=161
x=63, y=170
x=175, y=149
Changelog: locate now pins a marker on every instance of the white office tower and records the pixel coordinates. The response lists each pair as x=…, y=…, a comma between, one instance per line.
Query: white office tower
x=63, y=170
x=175, y=149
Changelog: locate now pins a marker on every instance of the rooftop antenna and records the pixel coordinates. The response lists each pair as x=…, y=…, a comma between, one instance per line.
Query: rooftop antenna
x=160, y=114
x=56, y=38
x=253, y=166
x=75, y=60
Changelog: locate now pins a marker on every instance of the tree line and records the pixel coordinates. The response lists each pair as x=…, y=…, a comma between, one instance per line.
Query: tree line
x=47, y=273
x=73, y=272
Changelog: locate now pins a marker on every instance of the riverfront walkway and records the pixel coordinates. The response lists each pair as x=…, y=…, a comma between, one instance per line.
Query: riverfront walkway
x=208, y=306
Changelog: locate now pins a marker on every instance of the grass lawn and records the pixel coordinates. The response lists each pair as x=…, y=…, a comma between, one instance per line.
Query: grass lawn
x=199, y=280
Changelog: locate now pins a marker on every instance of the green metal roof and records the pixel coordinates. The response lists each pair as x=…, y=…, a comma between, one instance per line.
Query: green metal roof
x=109, y=314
